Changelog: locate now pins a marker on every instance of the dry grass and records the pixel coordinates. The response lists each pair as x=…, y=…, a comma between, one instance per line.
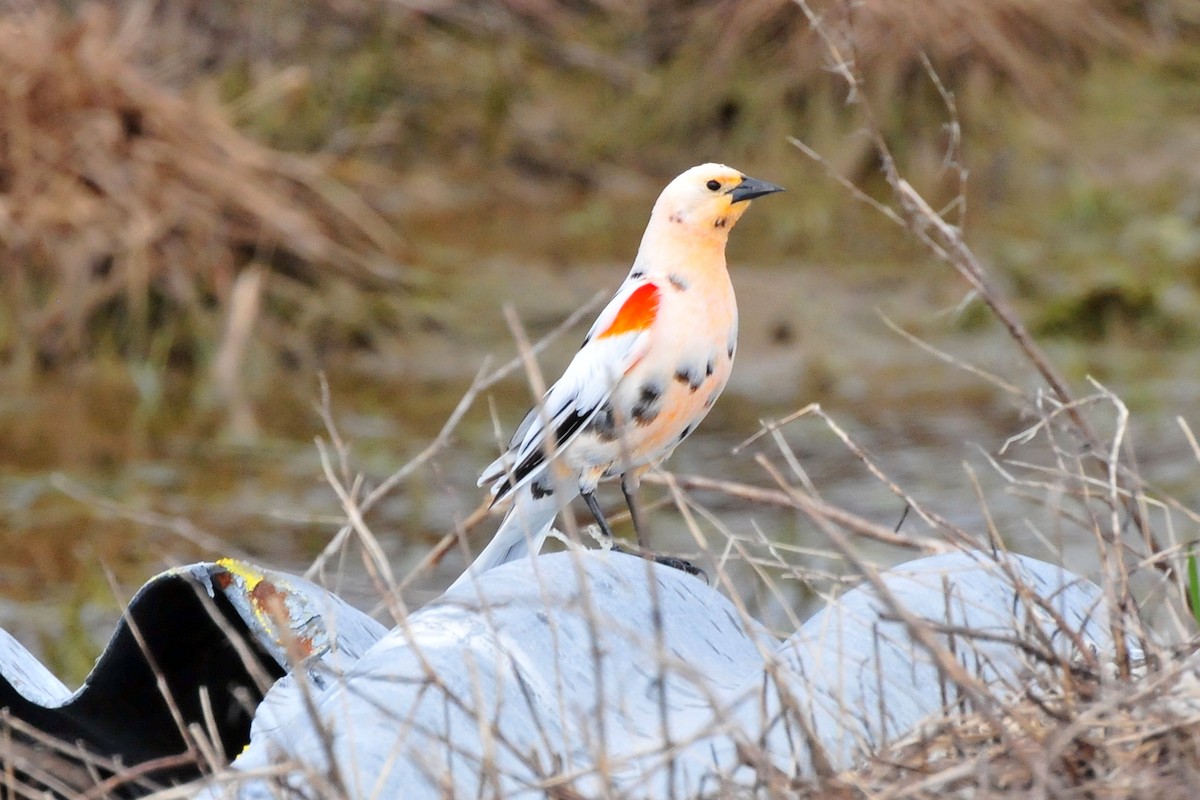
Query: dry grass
x=1024, y=45
x=1089, y=741
x=127, y=208
x=1014, y=42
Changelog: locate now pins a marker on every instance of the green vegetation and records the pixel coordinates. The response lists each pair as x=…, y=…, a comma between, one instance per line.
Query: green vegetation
x=1193, y=583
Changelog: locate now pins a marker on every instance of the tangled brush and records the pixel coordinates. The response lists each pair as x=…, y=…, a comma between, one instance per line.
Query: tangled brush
x=1094, y=740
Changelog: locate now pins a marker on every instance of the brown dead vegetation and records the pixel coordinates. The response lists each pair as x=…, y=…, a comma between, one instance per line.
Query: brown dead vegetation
x=1137, y=740
x=126, y=207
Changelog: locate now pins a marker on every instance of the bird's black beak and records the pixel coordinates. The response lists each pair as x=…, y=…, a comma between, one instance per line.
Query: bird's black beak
x=751, y=188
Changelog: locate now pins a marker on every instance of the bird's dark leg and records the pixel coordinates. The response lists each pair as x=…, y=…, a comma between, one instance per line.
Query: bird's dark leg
x=594, y=506
x=629, y=487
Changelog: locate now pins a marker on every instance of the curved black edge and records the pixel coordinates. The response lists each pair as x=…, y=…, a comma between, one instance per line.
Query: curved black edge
x=120, y=711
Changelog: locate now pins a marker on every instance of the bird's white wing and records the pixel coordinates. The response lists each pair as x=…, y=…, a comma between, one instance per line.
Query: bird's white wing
x=618, y=340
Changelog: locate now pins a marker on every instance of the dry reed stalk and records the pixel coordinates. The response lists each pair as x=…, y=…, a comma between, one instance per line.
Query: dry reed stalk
x=943, y=238
x=122, y=201
x=37, y=765
x=1097, y=737
x=1117, y=742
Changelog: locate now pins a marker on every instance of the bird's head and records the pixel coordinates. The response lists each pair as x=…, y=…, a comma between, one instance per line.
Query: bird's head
x=708, y=200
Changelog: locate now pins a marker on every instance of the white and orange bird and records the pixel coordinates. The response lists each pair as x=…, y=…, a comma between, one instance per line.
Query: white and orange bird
x=649, y=369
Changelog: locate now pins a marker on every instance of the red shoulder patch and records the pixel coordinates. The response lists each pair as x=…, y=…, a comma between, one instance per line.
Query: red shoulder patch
x=637, y=313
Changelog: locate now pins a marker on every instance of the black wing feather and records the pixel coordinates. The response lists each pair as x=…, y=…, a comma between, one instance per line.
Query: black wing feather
x=565, y=430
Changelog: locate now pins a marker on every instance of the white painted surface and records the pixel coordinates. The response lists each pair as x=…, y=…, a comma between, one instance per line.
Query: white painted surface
x=580, y=665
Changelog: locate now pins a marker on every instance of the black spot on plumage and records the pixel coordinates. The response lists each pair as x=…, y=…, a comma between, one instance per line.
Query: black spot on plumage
x=646, y=417
x=731, y=348
x=637, y=273
x=721, y=222
x=691, y=378
x=604, y=424
x=645, y=409
x=540, y=490
x=686, y=432
x=709, y=368
x=678, y=282
x=712, y=398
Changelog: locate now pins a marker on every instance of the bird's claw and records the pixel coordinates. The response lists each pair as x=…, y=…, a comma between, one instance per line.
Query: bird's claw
x=682, y=564
x=667, y=561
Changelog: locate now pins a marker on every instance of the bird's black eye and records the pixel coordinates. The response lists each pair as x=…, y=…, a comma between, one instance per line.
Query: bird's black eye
x=713, y=185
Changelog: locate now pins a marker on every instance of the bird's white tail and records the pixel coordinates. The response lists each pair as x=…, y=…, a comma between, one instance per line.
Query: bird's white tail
x=522, y=532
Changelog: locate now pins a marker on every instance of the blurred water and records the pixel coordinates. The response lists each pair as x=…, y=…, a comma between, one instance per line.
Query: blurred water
x=101, y=484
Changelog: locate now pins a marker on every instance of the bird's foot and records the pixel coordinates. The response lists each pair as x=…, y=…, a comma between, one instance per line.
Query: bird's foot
x=667, y=561
x=681, y=564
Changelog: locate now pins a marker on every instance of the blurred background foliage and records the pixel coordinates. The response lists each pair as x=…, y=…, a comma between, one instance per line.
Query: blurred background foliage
x=365, y=151
x=204, y=202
